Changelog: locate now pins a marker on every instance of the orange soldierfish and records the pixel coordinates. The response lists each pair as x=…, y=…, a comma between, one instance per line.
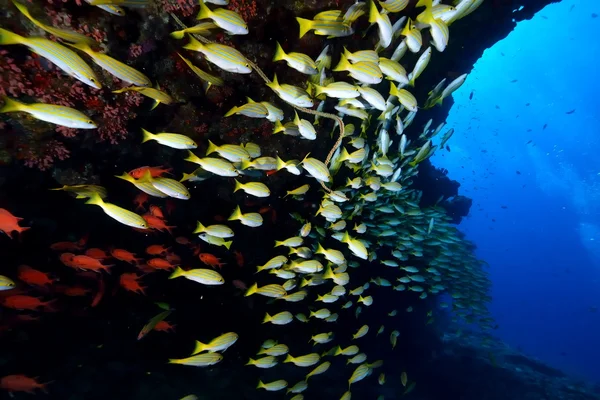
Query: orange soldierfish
x=130, y=282
x=21, y=383
x=157, y=223
x=157, y=212
x=24, y=302
x=89, y=264
x=33, y=277
x=211, y=260
x=156, y=250
x=160, y=263
x=96, y=253
x=9, y=223
x=154, y=171
x=126, y=256
x=164, y=326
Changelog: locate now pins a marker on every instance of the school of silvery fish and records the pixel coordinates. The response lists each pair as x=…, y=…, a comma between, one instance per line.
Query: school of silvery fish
x=374, y=215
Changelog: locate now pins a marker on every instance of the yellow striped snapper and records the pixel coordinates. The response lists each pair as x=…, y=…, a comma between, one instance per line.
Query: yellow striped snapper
x=6, y=283
x=290, y=242
x=252, y=148
x=373, y=97
x=117, y=213
x=451, y=88
x=273, y=113
x=332, y=255
x=383, y=23
x=252, y=110
x=393, y=70
x=145, y=186
x=84, y=191
x=55, y=114
x=299, y=191
x=327, y=298
x=214, y=240
x=306, y=129
x=205, y=76
x=316, y=168
x=272, y=386
x=250, y=219
x=220, y=231
x=114, y=67
x=320, y=314
x=272, y=290
x=220, y=343
x=69, y=36
x=361, y=55
x=356, y=157
x=320, y=369
x=231, y=152
x=198, y=29
x=355, y=11
x=307, y=360
x=174, y=140
x=331, y=212
x=324, y=27
x=420, y=66
x=199, y=360
x=291, y=94
x=439, y=29
x=339, y=90
x=353, y=112
x=289, y=128
x=283, y=274
x=224, y=57
x=357, y=359
x=338, y=226
x=61, y=56
x=400, y=51
x=298, y=387
x=215, y=165
x=348, y=351
x=300, y=62
x=264, y=362
x=114, y=10
x=306, y=267
x=364, y=71
x=200, y=275
x=356, y=246
x=414, y=39
x=360, y=373
x=367, y=301
x=393, y=6
x=153, y=93
x=405, y=97
x=305, y=230
x=257, y=189
x=295, y=297
x=168, y=186
x=275, y=350
x=275, y=262
x=282, y=318
x=225, y=19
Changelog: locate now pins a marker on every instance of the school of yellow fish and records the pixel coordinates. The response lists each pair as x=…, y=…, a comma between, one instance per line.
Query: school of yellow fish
x=373, y=215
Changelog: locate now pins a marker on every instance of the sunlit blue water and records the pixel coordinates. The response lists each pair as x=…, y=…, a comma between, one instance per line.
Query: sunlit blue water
x=536, y=191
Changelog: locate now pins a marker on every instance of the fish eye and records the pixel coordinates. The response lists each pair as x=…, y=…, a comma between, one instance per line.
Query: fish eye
x=90, y=122
x=92, y=79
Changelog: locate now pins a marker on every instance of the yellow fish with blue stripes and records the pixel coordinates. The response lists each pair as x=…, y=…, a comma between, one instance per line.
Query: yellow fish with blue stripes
x=225, y=19
x=59, y=115
x=117, y=213
x=224, y=57
x=174, y=140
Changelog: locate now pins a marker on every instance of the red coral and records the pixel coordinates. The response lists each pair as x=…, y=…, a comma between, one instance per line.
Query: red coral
x=246, y=8
x=185, y=7
x=44, y=156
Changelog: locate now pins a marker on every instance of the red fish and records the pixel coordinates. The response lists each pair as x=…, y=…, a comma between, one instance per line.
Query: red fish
x=239, y=258
x=126, y=256
x=96, y=253
x=140, y=200
x=160, y=263
x=157, y=223
x=130, y=282
x=211, y=260
x=89, y=264
x=164, y=326
x=9, y=223
x=33, y=277
x=22, y=383
x=157, y=212
x=24, y=302
x=154, y=171
x=156, y=250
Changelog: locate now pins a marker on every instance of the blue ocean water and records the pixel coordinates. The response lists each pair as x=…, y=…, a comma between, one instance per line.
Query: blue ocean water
x=525, y=149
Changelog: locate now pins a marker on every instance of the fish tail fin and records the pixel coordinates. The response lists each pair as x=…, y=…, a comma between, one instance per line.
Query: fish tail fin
x=251, y=290
x=393, y=90
x=279, y=53
x=318, y=89
x=199, y=228
x=154, y=104
x=177, y=273
x=373, y=13
x=211, y=147
x=193, y=45
x=199, y=347
x=177, y=34
x=260, y=385
x=147, y=136
x=95, y=199
x=343, y=65
x=278, y=127
x=305, y=26
x=237, y=214
x=233, y=110
x=267, y=318
x=238, y=186
x=192, y=157
x=288, y=359
x=204, y=11
x=11, y=105
x=227, y=244
x=280, y=164
x=245, y=164
x=338, y=351
x=8, y=37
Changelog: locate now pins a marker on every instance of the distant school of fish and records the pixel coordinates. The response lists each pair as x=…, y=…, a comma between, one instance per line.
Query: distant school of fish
x=418, y=250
